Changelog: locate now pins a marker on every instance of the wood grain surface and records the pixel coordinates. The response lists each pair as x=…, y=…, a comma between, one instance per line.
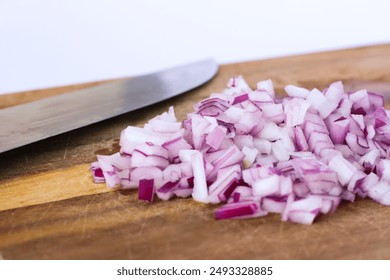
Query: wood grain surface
x=50, y=209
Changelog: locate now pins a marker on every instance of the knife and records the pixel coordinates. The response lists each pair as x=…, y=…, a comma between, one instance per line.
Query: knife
x=34, y=121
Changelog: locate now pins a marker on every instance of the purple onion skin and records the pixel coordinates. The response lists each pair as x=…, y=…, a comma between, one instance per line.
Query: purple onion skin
x=146, y=190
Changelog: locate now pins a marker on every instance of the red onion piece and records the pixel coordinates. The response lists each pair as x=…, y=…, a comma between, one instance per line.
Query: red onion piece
x=235, y=210
x=165, y=192
x=273, y=112
x=267, y=186
x=383, y=169
x=146, y=190
x=294, y=91
x=266, y=86
x=295, y=111
x=240, y=98
x=380, y=192
x=215, y=137
x=273, y=205
x=97, y=173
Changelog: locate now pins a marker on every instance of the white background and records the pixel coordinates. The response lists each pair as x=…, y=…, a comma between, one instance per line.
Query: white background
x=45, y=43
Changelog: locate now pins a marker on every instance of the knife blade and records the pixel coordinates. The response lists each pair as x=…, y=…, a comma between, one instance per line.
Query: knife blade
x=34, y=121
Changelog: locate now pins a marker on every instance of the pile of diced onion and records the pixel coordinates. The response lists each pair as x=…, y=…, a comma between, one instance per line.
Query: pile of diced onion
x=254, y=154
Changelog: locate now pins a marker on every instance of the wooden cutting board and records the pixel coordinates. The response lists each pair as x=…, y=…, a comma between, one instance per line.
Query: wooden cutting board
x=50, y=209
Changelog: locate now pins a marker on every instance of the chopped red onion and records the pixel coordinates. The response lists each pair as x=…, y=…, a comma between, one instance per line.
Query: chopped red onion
x=200, y=192
x=267, y=186
x=383, y=169
x=174, y=146
x=380, y=192
x=262, y=145
x=215, y=137
x=295, y=111
x=241, y=192
x=335, y=92
x=273, y=205
x=242, y=141
x=250, y=156
x=294, y=91
x=236, y=210
x=270, y=132
x=97, y=173
x=266, y=86
x=273, y=112
x=370, y=160
x=165, y=192
x=148, y=172
x=300, y=139
x=224, y=185
x=253, y=153
x=240, y=98
x=146, y=190
x=343, y=168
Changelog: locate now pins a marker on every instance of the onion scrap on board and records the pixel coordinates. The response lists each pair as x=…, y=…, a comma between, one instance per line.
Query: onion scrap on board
x=255, y=154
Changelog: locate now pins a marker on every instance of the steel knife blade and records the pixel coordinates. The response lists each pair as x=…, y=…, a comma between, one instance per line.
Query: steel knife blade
x=34, y=121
